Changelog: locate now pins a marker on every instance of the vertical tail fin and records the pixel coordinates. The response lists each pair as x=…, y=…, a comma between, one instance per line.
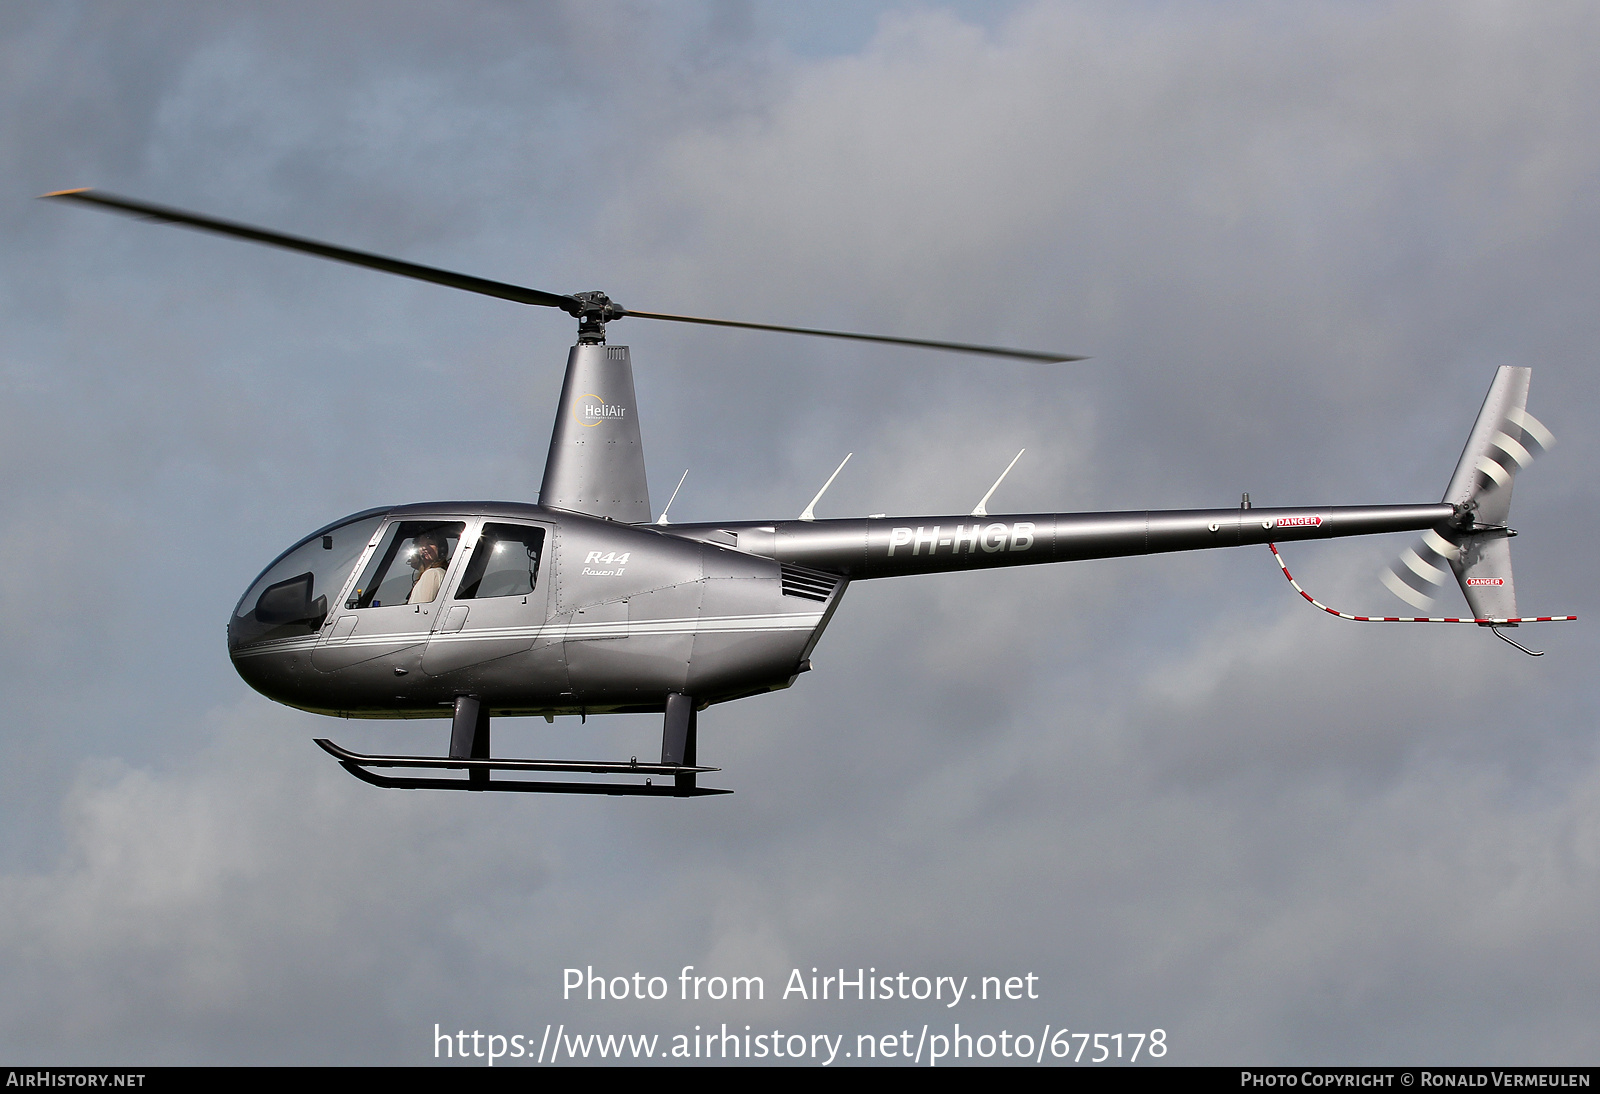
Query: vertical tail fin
x=1476, y=545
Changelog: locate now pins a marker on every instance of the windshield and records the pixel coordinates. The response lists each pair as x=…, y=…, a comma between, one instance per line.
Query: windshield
x=291, y=598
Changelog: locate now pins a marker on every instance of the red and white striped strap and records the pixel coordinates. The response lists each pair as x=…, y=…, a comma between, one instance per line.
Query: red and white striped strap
x=1314, y=602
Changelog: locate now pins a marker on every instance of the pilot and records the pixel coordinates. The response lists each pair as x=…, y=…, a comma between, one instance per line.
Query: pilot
x=429, y=561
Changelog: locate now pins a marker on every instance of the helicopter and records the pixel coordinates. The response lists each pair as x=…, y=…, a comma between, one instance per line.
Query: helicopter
x=583, y=604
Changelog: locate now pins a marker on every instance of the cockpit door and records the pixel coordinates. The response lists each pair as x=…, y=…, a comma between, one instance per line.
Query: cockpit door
x=395, y=602
x=498, y=602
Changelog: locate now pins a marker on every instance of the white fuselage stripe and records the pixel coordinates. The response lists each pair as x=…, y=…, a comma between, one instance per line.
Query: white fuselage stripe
x=619, y=628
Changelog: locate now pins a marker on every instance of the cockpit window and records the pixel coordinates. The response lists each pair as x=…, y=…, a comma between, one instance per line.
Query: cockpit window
x=505, y=562
x=409, y=565
x=291, y=598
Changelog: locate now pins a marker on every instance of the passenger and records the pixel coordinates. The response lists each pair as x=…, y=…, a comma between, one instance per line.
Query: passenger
x=429, y=561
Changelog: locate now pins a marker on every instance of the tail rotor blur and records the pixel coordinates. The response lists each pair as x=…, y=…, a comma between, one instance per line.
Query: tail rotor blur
x=1422, y=570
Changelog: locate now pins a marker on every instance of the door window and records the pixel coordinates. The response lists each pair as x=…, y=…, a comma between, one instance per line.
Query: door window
x=505, y=562
x=409, y=566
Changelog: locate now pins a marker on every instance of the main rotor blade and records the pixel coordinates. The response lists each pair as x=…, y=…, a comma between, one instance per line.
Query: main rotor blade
x=600, y=308
x=954, y=347
x=167, y=215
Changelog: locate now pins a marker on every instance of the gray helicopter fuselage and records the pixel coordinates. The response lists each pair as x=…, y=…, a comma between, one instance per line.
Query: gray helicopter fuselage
x=612, y=617
x=542, y=611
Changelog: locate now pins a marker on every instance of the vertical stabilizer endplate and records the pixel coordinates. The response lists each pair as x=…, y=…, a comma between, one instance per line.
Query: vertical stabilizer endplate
x=596, y=461
x=1484, y=572
x=1492, y=458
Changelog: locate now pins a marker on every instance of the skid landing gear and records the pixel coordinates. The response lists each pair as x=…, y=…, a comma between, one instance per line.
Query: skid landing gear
x=469, y=752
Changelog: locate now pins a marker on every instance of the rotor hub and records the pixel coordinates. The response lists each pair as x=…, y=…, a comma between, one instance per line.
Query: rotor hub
x=595, y=309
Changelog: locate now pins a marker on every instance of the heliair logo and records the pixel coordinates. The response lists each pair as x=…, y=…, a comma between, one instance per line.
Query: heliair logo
x=591, y=410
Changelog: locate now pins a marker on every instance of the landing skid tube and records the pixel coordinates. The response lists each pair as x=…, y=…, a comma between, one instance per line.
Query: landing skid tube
x=469, y=752
x=358, y=765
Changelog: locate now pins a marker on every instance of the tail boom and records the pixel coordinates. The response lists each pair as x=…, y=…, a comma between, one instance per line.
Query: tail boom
x=898, y=546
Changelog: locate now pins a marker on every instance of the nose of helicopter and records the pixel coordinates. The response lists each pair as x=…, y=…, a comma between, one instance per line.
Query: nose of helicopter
x=273, y=630
x=277, y=620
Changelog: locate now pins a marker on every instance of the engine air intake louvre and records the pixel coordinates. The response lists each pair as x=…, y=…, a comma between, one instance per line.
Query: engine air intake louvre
x=807, y=584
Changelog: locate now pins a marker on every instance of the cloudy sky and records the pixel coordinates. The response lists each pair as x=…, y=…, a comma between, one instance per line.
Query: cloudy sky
x=1296, y=241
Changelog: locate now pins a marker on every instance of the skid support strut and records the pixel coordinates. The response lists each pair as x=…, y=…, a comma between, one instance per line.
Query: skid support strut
x=469, y=738
x=677, y=740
